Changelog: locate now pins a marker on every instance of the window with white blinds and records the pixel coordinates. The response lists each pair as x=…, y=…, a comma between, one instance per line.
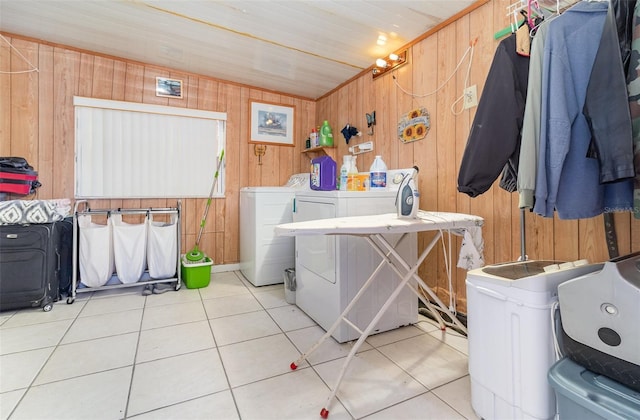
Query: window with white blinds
x=133, y=150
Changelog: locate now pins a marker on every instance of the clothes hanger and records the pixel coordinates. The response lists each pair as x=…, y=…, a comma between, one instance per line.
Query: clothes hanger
x=512, y=10
x=530, y=19
x=523, y=37
x=545, y=15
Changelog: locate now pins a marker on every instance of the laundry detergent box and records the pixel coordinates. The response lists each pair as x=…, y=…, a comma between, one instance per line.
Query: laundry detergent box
x=323, y=173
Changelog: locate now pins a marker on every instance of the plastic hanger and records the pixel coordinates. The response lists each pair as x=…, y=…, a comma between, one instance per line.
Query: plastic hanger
x=514, y=24
x=530, y=19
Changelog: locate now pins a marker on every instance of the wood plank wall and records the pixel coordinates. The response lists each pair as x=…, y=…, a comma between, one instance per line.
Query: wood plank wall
x=431, y=62
x=36, y=122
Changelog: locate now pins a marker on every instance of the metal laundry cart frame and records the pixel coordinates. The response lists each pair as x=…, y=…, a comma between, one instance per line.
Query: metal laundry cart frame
x=373, y=228
x=86, y=210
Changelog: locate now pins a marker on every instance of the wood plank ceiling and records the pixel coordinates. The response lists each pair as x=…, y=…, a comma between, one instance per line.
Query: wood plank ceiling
x=302, y=48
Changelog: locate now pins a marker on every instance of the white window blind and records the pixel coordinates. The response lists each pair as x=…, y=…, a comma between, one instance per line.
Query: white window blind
x=132, y=150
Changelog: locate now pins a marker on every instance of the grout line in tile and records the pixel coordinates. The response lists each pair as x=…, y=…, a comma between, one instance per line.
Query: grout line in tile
x=46, y=361
x=170, y=405
x=135, y=359
x=202, y=299
x=449, y=405
x=393, y=405
x=224, y=368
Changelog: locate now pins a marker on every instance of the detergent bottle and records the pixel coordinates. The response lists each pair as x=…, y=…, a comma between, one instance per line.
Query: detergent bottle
x=408, y=198
x=378, y=174
x=352, y=175
x=323, y=174
x=344, y=171
x=326, y=135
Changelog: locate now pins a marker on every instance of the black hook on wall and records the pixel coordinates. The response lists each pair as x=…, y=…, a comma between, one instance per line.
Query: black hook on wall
x=371, y=121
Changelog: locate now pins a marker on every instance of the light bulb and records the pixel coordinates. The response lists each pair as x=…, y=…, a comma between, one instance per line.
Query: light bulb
x=381, y=63
x=393, y=57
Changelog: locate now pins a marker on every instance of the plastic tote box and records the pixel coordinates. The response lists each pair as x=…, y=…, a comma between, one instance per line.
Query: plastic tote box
x=586, y=395
x=600, y=313
x=510, y=333
x=196, y=275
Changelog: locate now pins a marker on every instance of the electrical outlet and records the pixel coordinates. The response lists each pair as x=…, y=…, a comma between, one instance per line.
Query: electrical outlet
x=470, y=97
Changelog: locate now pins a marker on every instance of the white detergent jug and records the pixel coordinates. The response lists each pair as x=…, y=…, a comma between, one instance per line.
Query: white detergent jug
x=378, y=174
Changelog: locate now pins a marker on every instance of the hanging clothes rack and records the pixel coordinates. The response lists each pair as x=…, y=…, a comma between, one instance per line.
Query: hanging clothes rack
x=533, y=12
x=541, y=8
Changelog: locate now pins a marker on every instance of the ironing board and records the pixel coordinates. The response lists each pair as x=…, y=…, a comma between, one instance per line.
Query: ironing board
x=373, y=228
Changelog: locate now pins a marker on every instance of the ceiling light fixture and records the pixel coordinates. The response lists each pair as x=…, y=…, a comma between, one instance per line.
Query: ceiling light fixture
x=381, y=62
x=393, y=61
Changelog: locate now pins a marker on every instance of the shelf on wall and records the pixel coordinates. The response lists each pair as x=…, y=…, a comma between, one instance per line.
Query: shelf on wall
x=317, y=151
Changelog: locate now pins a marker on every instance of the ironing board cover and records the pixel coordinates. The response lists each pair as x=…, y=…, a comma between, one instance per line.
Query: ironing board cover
x=381, y=223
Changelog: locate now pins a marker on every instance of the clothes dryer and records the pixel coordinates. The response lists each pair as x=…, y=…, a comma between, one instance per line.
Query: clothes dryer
x=331, y=269
x=263, y=256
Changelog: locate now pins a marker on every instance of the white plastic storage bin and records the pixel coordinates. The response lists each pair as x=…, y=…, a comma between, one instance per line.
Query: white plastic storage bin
x=511, y=336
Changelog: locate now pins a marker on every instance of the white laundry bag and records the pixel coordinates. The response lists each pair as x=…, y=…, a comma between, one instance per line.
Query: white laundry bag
x=96, y=258
x=162, y=248
x=129, y=248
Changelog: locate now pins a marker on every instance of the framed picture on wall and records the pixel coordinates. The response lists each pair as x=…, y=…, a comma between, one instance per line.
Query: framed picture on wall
x=168, y=88
x=271, y=123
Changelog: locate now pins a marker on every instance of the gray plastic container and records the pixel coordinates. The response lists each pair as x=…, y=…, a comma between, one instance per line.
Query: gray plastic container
x=585, y=395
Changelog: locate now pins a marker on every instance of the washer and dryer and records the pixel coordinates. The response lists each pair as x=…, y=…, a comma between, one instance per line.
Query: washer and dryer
x=263, y=256
x=331, y=269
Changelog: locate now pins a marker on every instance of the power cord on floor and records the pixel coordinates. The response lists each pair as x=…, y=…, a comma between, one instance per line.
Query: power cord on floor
x=448, y=322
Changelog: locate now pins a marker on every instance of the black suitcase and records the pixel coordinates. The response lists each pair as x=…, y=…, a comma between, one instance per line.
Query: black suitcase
x=64, y=250
x=31, y=258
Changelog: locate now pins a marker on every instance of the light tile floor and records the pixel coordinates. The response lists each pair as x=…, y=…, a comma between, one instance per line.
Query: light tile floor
x=220, y=352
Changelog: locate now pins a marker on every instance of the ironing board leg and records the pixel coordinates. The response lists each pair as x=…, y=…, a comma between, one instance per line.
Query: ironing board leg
x=379, y=249
x=381, y=245
x=325, y=411
x=341, y=318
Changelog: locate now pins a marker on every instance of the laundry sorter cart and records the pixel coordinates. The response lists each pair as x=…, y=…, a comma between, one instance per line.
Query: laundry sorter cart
x=94, y=243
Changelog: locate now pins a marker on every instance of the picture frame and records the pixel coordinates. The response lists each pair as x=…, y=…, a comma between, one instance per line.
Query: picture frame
x=168, y=88
x=271, y=123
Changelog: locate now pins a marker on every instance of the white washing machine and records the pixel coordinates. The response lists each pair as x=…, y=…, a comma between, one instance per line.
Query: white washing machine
x=263, y=256
x=331, y=269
